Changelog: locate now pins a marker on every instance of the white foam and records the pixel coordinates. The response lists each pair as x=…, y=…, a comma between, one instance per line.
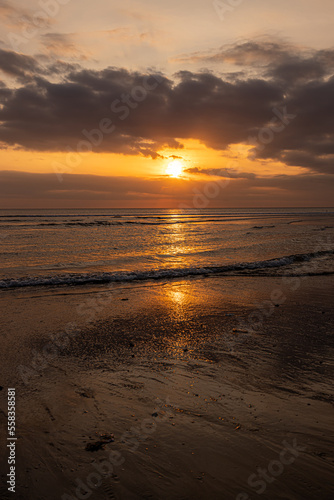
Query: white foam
x=106, y=277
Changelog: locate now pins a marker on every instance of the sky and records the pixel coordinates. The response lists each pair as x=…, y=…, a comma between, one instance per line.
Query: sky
x=178, y=104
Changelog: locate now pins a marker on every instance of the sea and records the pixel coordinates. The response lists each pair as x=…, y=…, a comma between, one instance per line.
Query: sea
x=94, y=246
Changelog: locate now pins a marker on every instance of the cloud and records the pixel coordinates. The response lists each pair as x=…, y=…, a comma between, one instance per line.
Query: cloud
x=259, y=52
x=276, y=59
x=15, y=184
x=62, y=44
x=6, y=8
x=309, y=138
x=229, y=173
x=149, y=111
x=17, y=65
x=17, y=17
x=192, y=106
x=10, y=13
x=24, y=188
x=27, y=68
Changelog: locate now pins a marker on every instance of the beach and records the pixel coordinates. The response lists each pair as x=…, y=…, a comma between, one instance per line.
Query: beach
x=172, y=389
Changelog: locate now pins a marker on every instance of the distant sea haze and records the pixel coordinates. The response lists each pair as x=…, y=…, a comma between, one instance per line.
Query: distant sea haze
x=67, y=247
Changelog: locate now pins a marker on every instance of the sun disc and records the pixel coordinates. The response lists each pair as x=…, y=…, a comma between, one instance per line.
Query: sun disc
x=174, y=168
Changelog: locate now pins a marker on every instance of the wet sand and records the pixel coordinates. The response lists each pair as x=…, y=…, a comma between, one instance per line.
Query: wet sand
x=204, y=388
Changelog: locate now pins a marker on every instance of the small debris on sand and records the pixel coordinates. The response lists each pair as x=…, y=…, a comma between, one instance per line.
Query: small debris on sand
x=99, y=445
x=86, y=393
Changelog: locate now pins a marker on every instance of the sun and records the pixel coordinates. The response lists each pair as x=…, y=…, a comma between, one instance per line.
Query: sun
x=174, y=169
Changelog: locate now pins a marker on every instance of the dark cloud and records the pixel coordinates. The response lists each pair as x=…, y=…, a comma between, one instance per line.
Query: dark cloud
x=43, y=115
x=221, y=172
x=149, y=112
x=276, y=59
x=306, y=159
x=307, y=141
x=81, y=190
x=17, y=65
x=15, y=184
x=27, y=69
x=59, y=67
x=302, y=68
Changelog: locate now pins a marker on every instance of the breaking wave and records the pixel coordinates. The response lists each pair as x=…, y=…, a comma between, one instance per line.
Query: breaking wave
x=158, y=274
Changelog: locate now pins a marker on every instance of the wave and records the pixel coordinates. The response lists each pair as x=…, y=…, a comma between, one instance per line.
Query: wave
x=123, y=223
x=155, y=221
x=157, y=274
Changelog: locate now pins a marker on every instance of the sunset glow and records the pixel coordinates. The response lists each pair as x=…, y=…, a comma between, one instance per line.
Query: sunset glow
x=106, y=96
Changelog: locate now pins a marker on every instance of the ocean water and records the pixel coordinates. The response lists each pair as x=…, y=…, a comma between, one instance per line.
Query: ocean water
x=78, y=247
